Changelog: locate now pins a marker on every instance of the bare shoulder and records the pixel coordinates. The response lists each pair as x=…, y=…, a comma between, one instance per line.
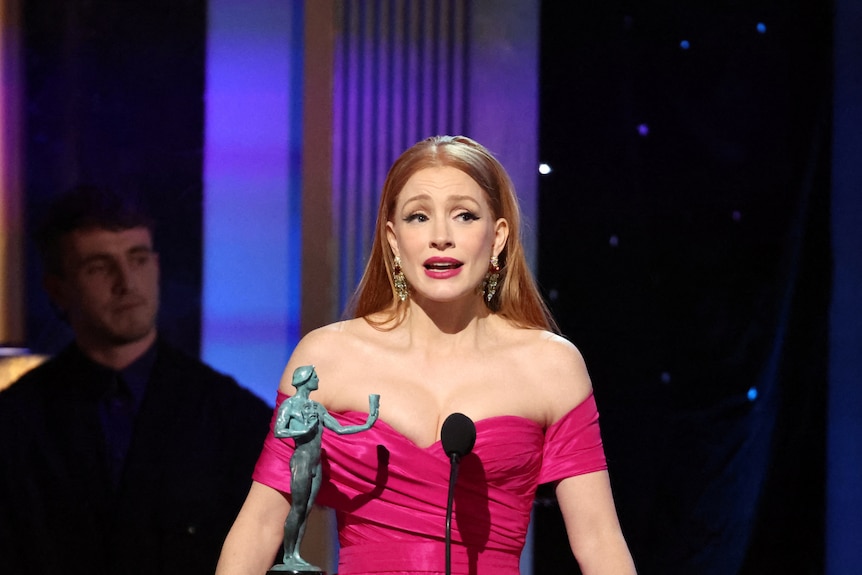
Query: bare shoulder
x=328, y=349
x=557, y=369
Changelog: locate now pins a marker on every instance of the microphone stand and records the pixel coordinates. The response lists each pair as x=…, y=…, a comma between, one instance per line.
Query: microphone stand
x=453, y=475
x=457, y=436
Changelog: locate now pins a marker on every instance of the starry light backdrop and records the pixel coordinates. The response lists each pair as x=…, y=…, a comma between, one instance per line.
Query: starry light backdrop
x=684, y=247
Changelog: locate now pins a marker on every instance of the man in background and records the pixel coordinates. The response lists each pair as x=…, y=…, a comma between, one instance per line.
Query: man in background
x=120, y=454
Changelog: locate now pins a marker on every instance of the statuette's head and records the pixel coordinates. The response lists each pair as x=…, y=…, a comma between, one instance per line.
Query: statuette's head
x=305, y=376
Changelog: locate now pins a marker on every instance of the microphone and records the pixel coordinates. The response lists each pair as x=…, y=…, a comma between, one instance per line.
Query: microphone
x=458, y=435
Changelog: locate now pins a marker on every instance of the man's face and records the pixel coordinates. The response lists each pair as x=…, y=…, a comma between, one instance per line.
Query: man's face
x=109, y=288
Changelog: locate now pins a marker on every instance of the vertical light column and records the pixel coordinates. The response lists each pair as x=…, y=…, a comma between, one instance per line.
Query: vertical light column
x=11, y=216
x=504, y=98
x=408, y=70
x=319, y=300
x=399, y=77
x=252, y=189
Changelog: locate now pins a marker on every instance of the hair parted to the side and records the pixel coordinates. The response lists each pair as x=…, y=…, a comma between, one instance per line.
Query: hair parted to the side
x=517, y=298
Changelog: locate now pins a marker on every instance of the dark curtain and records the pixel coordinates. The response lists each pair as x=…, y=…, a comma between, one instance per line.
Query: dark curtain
x=114, y=98
x=684, y=246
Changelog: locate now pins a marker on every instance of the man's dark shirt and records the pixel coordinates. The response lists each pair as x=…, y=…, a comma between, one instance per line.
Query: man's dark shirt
x=196, y=437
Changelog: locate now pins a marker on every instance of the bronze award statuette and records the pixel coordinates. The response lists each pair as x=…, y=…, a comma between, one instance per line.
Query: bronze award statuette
x=303, y=420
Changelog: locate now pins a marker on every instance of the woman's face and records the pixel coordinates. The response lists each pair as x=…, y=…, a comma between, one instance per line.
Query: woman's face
x=445, y=233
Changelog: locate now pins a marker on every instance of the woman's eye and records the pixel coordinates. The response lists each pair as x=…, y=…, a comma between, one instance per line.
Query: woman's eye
x=467, y=216
x=417, y=217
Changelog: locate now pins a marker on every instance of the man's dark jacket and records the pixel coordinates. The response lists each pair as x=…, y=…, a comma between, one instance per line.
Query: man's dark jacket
x=197, y=436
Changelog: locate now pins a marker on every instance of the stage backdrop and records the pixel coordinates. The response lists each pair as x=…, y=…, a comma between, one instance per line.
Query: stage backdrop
x=684, y=234
x=684, y=245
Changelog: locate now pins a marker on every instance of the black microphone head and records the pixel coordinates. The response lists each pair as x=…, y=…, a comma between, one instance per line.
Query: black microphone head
x=458, y=435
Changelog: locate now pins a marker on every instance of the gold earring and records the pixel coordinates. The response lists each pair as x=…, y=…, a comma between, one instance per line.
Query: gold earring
x=492, y=278
x=399, y=279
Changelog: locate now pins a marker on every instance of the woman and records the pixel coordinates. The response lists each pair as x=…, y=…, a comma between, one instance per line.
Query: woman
x=447, y=318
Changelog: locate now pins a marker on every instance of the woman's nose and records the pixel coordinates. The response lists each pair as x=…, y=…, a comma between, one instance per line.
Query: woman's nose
x=442, y=236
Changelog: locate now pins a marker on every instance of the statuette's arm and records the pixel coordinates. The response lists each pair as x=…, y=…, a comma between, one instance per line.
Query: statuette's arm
x=373, y=412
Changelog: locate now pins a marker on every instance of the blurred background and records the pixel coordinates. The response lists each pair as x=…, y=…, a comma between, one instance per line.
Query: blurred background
x=689, y=175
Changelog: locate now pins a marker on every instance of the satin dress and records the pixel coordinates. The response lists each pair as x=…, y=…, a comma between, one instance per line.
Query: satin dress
x=390, y=495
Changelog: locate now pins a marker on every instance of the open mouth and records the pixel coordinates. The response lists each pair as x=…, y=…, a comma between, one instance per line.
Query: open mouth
x=442, y=266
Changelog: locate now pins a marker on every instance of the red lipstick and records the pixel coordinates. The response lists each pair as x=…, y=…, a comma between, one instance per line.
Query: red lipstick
x=442, y=268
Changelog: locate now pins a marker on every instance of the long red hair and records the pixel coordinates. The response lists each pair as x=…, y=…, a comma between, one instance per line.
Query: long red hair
x=517, y=298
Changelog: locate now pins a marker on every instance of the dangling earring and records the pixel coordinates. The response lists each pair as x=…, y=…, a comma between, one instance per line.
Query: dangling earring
x=399, y=279
x=489, y=286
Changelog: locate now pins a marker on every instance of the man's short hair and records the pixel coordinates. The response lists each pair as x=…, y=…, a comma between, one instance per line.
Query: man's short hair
x=86, y=207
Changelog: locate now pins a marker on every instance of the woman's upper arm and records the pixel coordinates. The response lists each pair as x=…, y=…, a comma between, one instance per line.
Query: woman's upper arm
x=254, y=539
x=565, y=381
x=593, y=528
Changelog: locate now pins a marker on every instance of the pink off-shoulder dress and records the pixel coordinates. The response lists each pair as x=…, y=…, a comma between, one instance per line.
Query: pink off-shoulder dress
x=390, y=495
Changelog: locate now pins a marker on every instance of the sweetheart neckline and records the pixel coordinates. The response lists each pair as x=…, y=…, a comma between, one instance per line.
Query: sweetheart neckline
x=480, y=422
